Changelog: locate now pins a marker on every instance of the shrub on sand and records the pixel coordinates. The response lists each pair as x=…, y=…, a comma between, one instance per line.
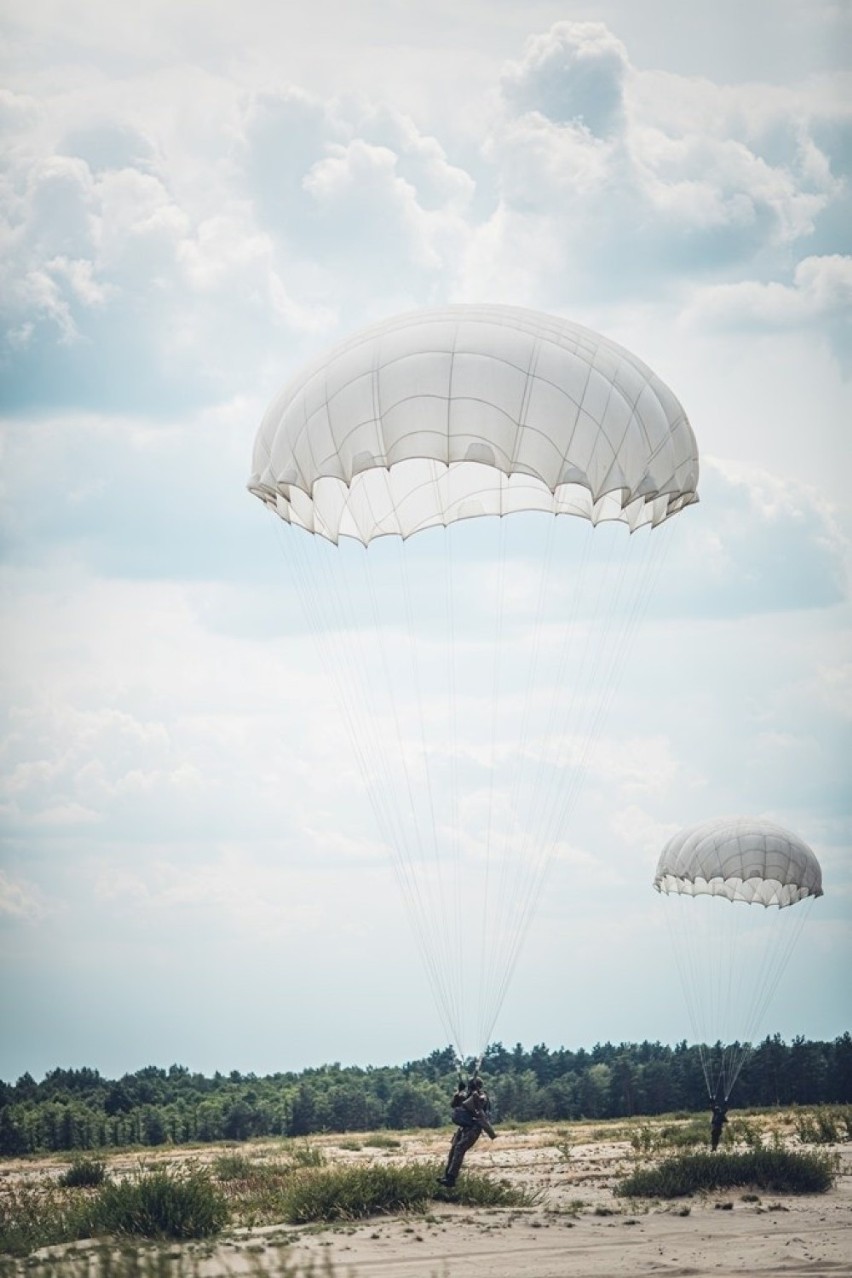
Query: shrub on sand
x=685, y=1135
x=306, y=1155
x=84, y=1173
x=380, y=1141
x=825, y=1125
x=233, y=1167
x=151, y=1262
x=161, y=1204
x=32, y=1217
x=347, y=1193
x=778, y=1170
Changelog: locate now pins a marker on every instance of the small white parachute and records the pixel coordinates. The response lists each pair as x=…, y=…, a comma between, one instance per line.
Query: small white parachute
x=742, y=859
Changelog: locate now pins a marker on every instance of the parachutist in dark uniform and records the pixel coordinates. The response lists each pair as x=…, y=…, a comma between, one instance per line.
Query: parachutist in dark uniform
x=717, y=1121
x=469, y=1107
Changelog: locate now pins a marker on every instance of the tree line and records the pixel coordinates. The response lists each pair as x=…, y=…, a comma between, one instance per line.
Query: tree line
x=78, y=1109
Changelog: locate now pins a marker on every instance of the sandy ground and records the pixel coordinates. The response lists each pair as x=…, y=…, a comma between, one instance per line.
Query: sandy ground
x=578, y=1228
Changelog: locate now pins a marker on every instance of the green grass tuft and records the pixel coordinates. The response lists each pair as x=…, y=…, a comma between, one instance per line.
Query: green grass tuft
x=825, y=1125
x=350, y=1193
x=229, y=1167
x=778, y=1170
x=306, y=1155
x=38, y=1216
x=380, y=1141
x=161, y=1204
x=153, y=1262
x=84, y=1173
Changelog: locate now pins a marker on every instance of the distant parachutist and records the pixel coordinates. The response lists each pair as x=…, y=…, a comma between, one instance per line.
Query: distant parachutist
x=718, y=1119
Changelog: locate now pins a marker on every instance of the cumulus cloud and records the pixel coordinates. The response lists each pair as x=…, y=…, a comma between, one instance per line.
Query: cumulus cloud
x=172, y=284
x=756, y=543
x=159, y=257
x=229, y=887
x=21, y=901
x=123, y=289
x=650, y=193
x=821, y=289
x=573, y=74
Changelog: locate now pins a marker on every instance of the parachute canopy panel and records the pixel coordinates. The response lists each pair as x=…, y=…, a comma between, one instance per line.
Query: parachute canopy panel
x=741, y=859
x=443, y=415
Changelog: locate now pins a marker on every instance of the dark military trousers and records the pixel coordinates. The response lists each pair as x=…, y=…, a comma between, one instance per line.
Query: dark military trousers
x=463, y=1140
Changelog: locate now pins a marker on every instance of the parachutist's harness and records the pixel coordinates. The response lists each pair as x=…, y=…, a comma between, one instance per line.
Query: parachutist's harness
x=471, y=1111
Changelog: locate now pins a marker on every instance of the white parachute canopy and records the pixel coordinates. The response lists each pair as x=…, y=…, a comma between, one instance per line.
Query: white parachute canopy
x=741, y=859
x=474, y=661
x=473, y=410
x=731, y=882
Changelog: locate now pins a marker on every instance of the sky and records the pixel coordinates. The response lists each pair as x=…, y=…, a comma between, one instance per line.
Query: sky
x=196, y=200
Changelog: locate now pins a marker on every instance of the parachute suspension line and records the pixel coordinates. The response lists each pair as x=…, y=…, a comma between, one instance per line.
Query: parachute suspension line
x=539, y=842
x=726, y=964
x=785, y=942
x=453, y=948
x=528, y=885
x=704, y=990
x=426, y=919
x=353, y=660
x=443, y=915
x=711, y=936
x=733, y=962
x=556, y=810
x=322, y=622
x=688, y=975
x=687, y=962
x=784, y=930
x=328, y=612
x=522, y=876
x=496, y=907
x=620, y=644
x=730, y=966
x=507, y=891
x=348, y=675
x=496, y=672
x=728, y=960
x=452, y=723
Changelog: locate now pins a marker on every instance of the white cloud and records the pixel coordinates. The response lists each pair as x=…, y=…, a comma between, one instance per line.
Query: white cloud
x=79, y=274
x=655, y=193
x=230, y=887
x=640, y=766
x=573, y=74
x=191, y=228
x=638, y=831
x=821, y=289
x=833, y=686
x=21, y=900
x=371, y=217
